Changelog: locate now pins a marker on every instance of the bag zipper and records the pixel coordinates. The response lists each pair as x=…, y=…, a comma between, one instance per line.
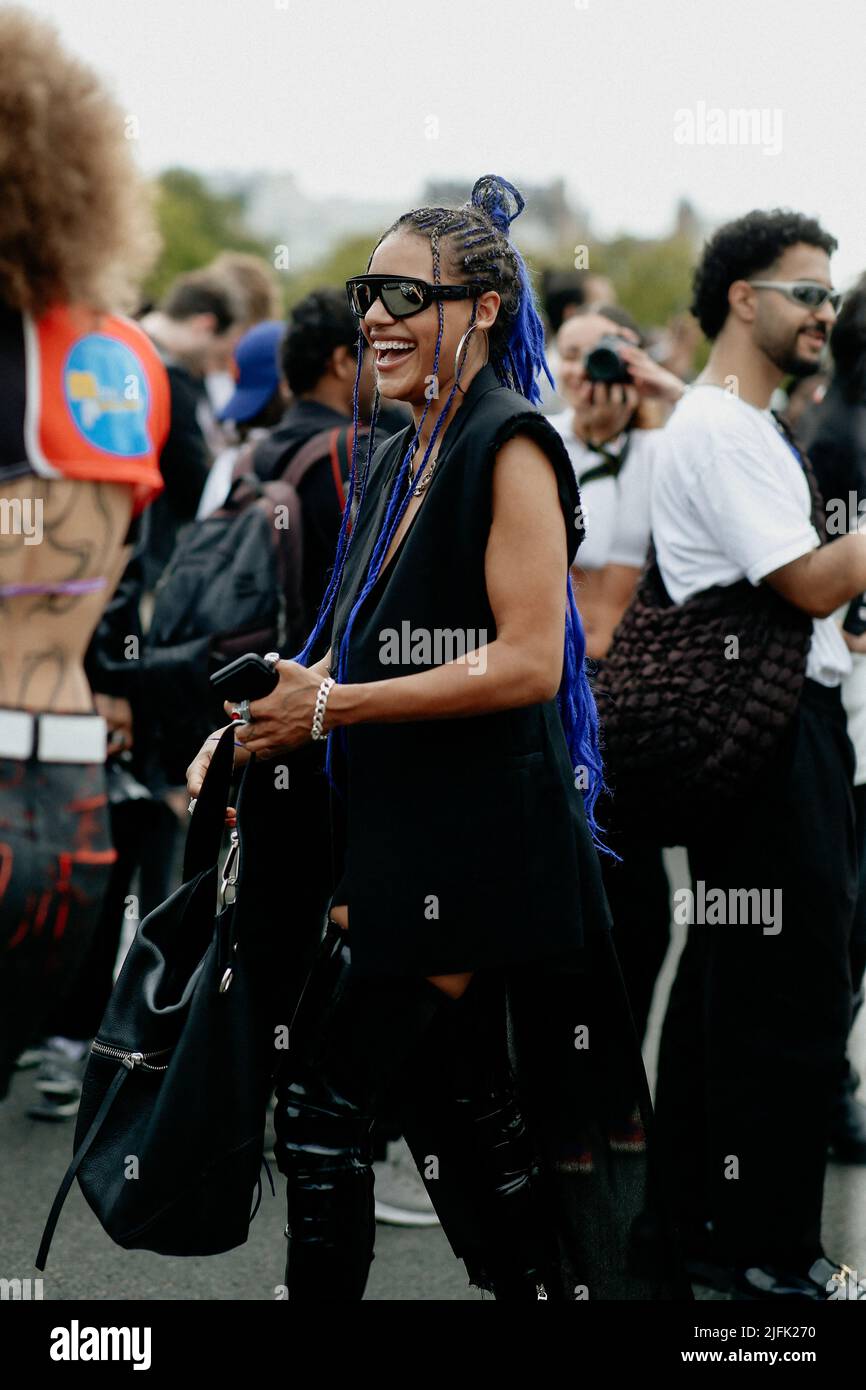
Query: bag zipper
x=131, y=1059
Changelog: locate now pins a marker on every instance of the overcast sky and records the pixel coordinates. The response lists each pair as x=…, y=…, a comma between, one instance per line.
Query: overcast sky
x=628, y=100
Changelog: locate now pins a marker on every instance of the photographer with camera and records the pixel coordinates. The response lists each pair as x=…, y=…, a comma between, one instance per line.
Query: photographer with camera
x=611, y=386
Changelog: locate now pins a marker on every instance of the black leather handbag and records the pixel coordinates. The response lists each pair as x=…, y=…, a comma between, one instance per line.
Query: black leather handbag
x=169, y=1138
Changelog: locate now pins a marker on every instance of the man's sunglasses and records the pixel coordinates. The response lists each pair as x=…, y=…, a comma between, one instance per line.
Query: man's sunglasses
x=807, y=293
x=403, y=296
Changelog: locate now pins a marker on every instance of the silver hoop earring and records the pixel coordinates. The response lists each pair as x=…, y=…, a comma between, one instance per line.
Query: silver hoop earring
x=471, y=329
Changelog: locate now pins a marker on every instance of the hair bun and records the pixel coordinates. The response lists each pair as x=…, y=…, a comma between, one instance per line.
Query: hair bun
x=499, y=199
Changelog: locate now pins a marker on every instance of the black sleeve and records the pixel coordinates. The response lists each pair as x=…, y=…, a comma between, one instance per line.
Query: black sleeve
x=184, y=460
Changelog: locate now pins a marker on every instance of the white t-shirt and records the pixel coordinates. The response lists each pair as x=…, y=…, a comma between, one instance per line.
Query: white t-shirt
x=616, y=511
x=854, y=700
x=730, y=500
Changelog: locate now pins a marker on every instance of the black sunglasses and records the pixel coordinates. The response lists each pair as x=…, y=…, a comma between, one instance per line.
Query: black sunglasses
x=403, y=296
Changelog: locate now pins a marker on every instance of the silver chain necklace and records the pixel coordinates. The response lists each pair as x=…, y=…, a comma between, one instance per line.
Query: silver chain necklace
x=419, y=489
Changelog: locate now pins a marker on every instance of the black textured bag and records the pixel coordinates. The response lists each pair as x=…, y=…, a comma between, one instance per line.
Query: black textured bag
x=690, y=718
x=169, y=1138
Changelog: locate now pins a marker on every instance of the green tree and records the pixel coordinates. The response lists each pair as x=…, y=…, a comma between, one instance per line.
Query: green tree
x=348, y=258
x=652, y=278
x=196, y=224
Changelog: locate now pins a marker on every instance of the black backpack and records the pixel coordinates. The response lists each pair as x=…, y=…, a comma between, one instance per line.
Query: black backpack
x=233, y=585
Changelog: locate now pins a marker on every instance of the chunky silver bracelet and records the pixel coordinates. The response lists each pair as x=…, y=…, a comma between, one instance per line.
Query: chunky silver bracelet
x=321, y=701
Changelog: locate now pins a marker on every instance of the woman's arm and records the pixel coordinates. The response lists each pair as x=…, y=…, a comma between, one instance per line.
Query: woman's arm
x=526, y=561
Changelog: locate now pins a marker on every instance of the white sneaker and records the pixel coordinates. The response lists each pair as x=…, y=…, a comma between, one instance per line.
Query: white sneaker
x=401, y=1197
x=58, y=1085
x=30, y=1057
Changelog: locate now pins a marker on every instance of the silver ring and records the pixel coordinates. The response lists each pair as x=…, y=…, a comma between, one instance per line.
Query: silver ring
x=191, y=807
x=243, y=709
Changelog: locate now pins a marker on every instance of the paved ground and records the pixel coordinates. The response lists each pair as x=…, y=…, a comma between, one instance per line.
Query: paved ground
x=409, y=1265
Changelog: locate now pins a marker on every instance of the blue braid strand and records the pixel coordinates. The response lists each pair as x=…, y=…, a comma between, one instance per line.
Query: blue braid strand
x=343, y=540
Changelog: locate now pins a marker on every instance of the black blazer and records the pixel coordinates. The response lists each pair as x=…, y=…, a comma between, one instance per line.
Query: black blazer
x=466, y=842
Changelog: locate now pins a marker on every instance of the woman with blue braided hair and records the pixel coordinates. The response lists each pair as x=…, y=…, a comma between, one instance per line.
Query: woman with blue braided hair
x=475, y=987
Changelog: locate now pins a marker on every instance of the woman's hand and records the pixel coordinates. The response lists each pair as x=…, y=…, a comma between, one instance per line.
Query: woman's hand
x=603, y=411
x=651, y=380
x=195, y=773
x=283, y=720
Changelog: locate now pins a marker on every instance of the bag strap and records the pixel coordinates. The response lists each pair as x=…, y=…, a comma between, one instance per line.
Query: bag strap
x=205, y=834
x=327, y=443
x=80, y=1154
x=336, y=468
x=315, y=449
x=609, y=465
x=819, y=515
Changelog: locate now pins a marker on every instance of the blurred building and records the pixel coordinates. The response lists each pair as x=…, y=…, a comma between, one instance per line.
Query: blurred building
x=277, y=209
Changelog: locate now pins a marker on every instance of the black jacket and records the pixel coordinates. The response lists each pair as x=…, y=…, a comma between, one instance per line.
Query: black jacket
x=466, y=839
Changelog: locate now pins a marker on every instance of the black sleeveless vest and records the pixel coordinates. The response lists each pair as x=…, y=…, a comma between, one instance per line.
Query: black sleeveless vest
x=466, y=842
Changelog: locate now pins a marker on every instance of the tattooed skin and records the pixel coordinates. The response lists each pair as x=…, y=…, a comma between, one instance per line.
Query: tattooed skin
x=53, y=531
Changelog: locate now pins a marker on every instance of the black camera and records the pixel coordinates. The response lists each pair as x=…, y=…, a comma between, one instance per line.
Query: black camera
x=604, y=362
x=855, y=618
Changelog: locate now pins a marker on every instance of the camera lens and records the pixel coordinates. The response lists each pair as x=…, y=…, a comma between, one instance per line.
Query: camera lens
x=604, y=363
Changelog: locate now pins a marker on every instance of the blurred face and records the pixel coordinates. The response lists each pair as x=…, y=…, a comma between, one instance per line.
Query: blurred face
x=202, y=348
x=598, y=289
x=792, y=336
x=403, y=349
x=575, y=339
x=219, y=348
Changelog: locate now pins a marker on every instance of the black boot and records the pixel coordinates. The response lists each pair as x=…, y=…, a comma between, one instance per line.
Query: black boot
x=521, y=1264
x=348, y=1041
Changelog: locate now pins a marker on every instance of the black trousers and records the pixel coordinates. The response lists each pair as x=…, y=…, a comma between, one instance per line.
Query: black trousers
x=146, y=835
x=638, y=892
x=753, y=1046
x=352, y=1045
x=56, y=859
x=639, y=895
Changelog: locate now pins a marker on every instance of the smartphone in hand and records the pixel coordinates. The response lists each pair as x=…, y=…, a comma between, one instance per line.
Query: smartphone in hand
x=249, y=677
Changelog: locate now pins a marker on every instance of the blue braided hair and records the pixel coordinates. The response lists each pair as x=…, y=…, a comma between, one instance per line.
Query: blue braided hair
x=476, y=240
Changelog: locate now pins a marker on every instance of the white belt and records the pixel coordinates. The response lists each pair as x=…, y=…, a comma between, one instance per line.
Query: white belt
x=53, y=738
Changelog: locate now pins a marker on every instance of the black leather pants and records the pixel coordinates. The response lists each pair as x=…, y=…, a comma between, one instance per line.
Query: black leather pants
x=350, y=1042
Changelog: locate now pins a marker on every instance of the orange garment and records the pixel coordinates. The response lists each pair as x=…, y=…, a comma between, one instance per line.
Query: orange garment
x=97, y=400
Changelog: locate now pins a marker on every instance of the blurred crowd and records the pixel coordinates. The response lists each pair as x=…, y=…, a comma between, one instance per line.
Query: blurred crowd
x=259, y=424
